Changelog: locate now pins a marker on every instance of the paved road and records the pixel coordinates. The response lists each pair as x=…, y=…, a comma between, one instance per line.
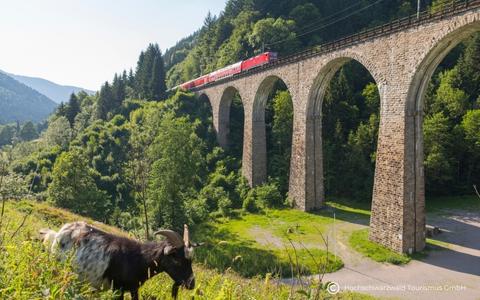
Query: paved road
x=448, y=273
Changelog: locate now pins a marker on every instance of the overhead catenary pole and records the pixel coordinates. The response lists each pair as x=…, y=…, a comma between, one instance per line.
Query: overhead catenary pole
x=418, y=9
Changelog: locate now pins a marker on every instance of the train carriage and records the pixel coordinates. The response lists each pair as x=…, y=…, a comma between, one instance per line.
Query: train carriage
x=258, y=60
x=230, y=70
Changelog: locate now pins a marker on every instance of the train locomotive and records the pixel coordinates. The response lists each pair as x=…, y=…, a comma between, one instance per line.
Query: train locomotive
x=230, y=70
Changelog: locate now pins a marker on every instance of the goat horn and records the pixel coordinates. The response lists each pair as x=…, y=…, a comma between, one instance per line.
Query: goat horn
x=186, y=236
x=172, y=237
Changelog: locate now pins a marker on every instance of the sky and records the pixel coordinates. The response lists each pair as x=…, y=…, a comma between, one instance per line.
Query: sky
x=84, y=42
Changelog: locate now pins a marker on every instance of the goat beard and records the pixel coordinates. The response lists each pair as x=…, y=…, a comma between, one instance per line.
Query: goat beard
x=175, y=287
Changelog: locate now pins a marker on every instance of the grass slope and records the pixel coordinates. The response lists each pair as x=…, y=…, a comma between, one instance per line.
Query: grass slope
x=268, y=243
x=27, y=271
x=360, y=242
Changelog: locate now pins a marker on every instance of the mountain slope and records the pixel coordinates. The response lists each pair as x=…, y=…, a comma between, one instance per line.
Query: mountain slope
x=56, y=92
x=19, y=102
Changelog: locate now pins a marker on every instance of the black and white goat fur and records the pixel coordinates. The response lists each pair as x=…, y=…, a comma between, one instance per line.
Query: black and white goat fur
x=107, y=260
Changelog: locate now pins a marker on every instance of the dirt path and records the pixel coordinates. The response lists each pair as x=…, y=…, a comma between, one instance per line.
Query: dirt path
x=449, y=273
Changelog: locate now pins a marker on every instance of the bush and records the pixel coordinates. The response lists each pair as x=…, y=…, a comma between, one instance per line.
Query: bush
x=212, y=195
x=196, y=210
x=249, y=202
x=268, y=195
x=242, y=188
x=263, y=196
x=73, y=187
x=225, y=206
x=290, y=202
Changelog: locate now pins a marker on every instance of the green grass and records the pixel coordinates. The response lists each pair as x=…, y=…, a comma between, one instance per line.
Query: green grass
x=27, y=271
x=437, y=244
x=303, y=226
x=257, y=244
x=360, y=242
x=348, y=207
x=439, y=204
x=289, y=237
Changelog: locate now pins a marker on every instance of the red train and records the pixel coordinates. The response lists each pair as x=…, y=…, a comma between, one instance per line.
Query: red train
x=230, y=70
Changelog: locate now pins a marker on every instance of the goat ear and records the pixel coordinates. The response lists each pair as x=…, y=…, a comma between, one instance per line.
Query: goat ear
x=169, y=250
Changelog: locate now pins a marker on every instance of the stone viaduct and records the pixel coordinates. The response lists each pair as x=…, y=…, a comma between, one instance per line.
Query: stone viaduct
x=401, y=56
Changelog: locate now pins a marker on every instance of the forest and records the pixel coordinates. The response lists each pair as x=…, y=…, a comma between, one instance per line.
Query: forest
x=139, y=157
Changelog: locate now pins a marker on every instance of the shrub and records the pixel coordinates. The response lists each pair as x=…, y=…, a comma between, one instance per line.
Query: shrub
x=196, y=209
x=268, y=195
x=249, y=202
x=73, y=187
x=212, y=195
x=290, y=202
x=225, y=206
x=242, y=188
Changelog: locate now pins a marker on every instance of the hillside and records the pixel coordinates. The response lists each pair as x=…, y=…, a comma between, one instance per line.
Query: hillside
x=57, y=92
x=39, y=275
x=19, y=102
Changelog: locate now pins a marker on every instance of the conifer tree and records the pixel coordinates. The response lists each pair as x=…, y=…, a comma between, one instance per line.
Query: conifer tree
x=150, y=74
x=6, y=135
x=140, y=74
x=118, y=91
x=469, y=68
x=28, y=132
x=209, y=20
x=105, y=101
x=125, y=77
x=131, y=79
x=61, y=110
x=72, y=109
x=157, y=86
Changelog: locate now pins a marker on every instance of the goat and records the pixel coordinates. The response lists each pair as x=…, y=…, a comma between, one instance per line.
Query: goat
x=124, y=264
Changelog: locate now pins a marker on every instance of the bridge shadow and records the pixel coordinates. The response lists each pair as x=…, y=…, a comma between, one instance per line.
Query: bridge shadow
x=457, y=247
x=461, y=229
x=347, y=211
x=451, y=259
